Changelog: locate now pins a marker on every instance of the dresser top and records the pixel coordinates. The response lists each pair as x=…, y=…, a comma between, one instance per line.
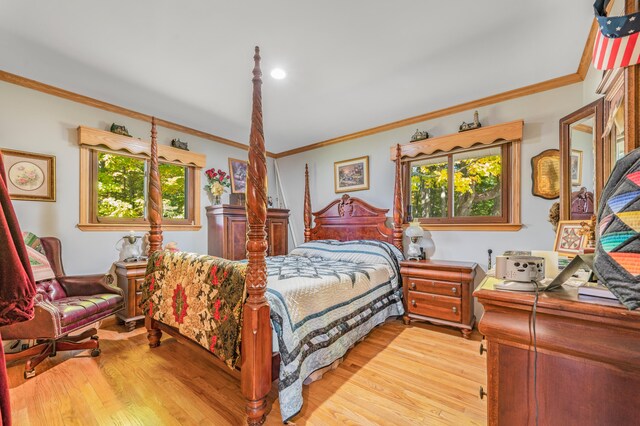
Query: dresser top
x=566, y=299
x=441, y=265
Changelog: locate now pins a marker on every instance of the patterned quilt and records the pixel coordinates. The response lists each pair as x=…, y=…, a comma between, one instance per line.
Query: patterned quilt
x=324, y=297
x=199, y=295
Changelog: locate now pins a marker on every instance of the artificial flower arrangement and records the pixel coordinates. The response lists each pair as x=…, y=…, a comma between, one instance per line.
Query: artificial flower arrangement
x=217, y=181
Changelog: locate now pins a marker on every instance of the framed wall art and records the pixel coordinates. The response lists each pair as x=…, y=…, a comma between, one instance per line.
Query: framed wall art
x=351, y=175
x=238, y=172
x=570, y=238
x=30, y=176
x=545, y=174
x=576, y=167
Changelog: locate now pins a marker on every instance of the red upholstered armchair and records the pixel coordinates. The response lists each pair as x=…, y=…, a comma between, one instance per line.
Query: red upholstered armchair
x=64, y=305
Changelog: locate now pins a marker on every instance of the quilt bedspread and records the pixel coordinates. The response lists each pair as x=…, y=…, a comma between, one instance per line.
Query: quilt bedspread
x=321, y=305
x=201, y=296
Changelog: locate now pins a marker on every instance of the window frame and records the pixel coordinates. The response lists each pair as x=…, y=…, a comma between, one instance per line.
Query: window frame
x=508, y=134
x=505, y=177
x=94, y=141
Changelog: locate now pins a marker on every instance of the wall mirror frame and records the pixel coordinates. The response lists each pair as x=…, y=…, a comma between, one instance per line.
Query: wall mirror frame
x=594, y=157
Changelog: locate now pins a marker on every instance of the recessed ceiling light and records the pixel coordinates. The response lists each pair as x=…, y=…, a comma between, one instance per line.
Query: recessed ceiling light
x=278, y=73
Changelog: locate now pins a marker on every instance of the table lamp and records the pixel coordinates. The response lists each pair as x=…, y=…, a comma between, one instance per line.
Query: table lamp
x=414, y=232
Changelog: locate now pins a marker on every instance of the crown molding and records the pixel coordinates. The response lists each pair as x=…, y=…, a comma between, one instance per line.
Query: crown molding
x=96, y=103
x=554, y=83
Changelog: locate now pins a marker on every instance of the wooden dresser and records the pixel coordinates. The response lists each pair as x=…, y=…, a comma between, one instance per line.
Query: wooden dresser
x=227, y=231
x=440, y=292
x=588, y=369
x=130, y=278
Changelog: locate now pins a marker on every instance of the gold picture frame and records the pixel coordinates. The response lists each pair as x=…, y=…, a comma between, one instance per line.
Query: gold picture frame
x=545, y=174
x=238, y=173
x=569, y=238
x=30, y=176
x=351, y=175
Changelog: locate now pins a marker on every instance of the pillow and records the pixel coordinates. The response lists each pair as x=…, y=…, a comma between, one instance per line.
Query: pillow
x=617, y=257
x=40, y=265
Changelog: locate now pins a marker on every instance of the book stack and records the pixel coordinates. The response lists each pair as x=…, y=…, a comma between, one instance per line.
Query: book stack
x=595, y=290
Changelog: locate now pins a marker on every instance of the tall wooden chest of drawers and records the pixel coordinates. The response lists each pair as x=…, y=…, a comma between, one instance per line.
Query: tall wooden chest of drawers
x=440, y=292
x=227, y=232
x=130, y=278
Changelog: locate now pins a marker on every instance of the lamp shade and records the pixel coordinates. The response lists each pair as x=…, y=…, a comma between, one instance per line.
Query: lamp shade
x=414, y=230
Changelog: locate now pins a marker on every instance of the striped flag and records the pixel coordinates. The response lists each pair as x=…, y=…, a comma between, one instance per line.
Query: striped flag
x=610, y=53
x=616, y=43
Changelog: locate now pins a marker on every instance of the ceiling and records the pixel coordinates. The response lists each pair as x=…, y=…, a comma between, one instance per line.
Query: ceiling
x=351, y=65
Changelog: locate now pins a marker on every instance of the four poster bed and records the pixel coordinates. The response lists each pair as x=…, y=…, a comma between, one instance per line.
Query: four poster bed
x=293, y=314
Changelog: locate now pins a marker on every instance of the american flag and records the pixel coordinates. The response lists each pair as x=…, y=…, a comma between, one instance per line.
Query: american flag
x=616, y=43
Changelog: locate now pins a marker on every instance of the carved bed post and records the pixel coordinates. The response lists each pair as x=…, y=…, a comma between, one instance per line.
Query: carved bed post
x=397, y=202
x=155, y=219
x=256, y=328
x=307, y=206
x=155, y=194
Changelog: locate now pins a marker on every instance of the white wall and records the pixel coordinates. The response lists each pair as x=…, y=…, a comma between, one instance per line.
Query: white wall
x=541, y=113
x=36, y=122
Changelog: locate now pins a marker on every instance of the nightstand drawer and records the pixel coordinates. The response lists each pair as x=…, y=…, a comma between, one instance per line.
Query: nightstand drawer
x=433, y=305
x=138, y=285
x=431, y=286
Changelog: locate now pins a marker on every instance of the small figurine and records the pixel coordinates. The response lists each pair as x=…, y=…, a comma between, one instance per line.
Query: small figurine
x=177, y=143
x=589, y=230
x=119, y=130
x=269, y=202
x=470, y=126
x=418, y=136
x=554, y=215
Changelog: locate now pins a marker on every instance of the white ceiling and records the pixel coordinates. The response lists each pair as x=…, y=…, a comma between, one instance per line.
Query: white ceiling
x=351, y=65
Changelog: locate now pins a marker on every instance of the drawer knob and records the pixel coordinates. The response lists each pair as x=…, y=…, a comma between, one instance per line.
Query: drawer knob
x=413, y=303
x=413, y=285
x=454, y=290
x=482, y=349
x=482, y=393
x=455, y=310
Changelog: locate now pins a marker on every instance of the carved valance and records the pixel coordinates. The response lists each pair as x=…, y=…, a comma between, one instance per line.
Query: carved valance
x=508, y=132
x=95, y=137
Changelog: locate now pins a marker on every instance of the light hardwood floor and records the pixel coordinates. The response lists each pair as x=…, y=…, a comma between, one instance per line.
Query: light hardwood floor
x=399, y=375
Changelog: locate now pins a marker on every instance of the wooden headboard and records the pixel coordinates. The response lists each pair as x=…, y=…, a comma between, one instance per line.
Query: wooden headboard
x=349, y=218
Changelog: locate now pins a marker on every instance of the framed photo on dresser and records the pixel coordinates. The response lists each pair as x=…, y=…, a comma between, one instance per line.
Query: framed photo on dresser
x=351, y=175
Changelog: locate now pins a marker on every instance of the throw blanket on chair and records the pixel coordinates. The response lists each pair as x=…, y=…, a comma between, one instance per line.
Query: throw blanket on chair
x=200, y=296
x=17, y=287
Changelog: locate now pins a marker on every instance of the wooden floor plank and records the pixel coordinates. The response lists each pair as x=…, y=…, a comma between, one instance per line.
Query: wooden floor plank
x=405, y=375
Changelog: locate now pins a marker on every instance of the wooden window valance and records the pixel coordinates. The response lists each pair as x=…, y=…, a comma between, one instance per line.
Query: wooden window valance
x=508, y=132
x=96, y=138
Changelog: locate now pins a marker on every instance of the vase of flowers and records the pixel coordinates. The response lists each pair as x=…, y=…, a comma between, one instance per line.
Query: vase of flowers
x=217, y=181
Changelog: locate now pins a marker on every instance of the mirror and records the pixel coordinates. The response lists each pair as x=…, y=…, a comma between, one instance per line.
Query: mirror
x=582, y=162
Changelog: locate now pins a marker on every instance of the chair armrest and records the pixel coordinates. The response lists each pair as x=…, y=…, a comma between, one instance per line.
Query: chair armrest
x=87, y=285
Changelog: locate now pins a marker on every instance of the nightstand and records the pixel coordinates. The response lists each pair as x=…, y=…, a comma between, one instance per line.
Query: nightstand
x=440, y=292
x=130, y=279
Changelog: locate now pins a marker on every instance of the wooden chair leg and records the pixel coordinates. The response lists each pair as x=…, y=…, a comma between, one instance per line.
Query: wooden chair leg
x=32, y=363
x=85, y=335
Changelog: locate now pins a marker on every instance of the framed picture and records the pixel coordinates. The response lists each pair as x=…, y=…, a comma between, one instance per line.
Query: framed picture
x=576, y=167
x=545, y=174
x=30, y=176
x=351, y=175
x=569, y=238
x=238, y=172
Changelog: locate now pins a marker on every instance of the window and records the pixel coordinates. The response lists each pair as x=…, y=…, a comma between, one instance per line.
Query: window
x=114, y=184
x=121, y=189
x=461, y=186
